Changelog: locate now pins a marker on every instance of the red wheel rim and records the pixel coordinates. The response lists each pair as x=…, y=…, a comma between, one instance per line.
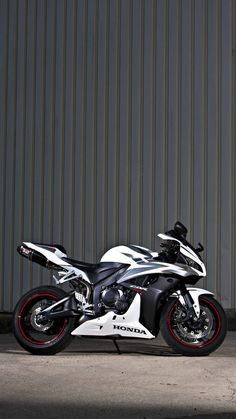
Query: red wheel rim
x=29, y=302
x=197, y=345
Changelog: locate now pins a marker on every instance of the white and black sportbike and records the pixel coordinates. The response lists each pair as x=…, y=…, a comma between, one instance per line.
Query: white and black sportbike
x=132, y=292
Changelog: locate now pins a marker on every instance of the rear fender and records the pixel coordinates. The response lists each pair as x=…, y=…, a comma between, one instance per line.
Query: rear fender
x=195, y=294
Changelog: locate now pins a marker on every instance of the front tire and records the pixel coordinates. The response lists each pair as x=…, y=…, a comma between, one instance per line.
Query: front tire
x=38, y=338
x=194, y=338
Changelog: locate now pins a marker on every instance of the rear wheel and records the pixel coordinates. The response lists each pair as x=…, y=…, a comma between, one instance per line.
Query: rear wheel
x=190, y=337
x=38, y=336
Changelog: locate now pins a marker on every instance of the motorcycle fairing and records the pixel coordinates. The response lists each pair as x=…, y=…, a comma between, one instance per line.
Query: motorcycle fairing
x=155, y=268
x=48, y=253
x=158, y=292
x=112, y=324
x=131, y=255
x=151, y=300
x=141, y=262
x=187, y=251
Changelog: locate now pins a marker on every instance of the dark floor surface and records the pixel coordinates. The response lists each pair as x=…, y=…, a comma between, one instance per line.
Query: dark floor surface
x=90, y=380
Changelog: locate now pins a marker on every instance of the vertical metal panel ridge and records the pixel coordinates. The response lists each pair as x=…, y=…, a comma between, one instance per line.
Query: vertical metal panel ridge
x=13, y=203
x=106, y=129
x=205, y=234
x=10, y=156
x=118, y=100
x=173, y=111
x=49, y=122
x=90, y=134
x=154, y=62
x=129, y=214
x=192, y=127
x=4, y=39
x=43, y=66
x=185, y=169
x=160, y=116
x=233, y=227
x=147, y=203
x=84, y=120
x=40, y=122
x=226, y=273
x=60, y=23
x=19, y=149
x=135, y=140
x=53, y=121
x=178, y=102
x=180, y=52
x=199, y=122
x=213, y=145
x=32, y=168
x=233, y=155
x=68, y=180
x=37, y=196
x=165, y=196
x=80, y=96
x=73, y=169
x=219, y=156
x=62, y=191
x=95, y=130
x=141, y=123
x=29, y=133
x=101, y=127
x=113, y=122
x=124, y=121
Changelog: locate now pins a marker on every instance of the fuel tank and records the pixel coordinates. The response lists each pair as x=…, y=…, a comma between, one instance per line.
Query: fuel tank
x=131, y=254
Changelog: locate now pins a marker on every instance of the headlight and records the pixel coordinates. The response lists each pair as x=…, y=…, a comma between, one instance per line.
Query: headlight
x=193, y=264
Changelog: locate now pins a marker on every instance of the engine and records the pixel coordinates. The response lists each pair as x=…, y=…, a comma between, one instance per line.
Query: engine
x=116, y=299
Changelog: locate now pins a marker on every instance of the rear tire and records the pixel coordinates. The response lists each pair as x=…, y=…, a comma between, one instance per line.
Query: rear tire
x=173, y=332
x=57, y=334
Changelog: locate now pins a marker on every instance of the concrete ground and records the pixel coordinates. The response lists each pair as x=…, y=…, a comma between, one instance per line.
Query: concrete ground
x=90, y=380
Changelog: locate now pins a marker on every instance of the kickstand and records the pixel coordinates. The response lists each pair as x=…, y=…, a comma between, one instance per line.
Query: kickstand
x=116, y=345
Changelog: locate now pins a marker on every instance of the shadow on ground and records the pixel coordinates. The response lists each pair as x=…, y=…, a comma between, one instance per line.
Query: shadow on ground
x=102, y=346
x=96, y=346
x=27, y=410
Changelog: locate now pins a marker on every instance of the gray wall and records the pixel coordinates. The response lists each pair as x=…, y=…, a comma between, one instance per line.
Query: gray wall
x=116, y=119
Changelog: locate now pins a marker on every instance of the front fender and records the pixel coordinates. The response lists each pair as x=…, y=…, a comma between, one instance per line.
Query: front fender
x=195, y=293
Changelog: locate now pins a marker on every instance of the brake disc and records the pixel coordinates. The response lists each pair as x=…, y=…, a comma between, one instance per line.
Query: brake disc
x=189, y=332
x=36, y=322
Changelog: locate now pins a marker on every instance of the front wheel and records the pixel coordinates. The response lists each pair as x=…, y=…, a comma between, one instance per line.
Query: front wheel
x=39, y=337
x=194, y=338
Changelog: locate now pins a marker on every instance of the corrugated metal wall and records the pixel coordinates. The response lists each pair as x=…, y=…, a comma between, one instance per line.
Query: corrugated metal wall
x=116, y=118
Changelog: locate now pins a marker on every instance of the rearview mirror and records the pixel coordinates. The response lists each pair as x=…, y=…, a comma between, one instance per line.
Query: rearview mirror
x=199, y=248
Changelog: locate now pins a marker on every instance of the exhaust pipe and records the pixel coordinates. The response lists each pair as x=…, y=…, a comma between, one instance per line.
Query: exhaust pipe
x=35, y=256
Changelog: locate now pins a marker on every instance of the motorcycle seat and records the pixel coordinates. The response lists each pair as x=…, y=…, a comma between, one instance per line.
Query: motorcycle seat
x=96, y=272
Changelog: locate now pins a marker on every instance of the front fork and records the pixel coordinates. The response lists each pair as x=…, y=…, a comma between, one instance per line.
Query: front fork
x=190, y=300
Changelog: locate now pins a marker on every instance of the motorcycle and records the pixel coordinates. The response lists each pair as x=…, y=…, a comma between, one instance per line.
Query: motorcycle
x=133, y=292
